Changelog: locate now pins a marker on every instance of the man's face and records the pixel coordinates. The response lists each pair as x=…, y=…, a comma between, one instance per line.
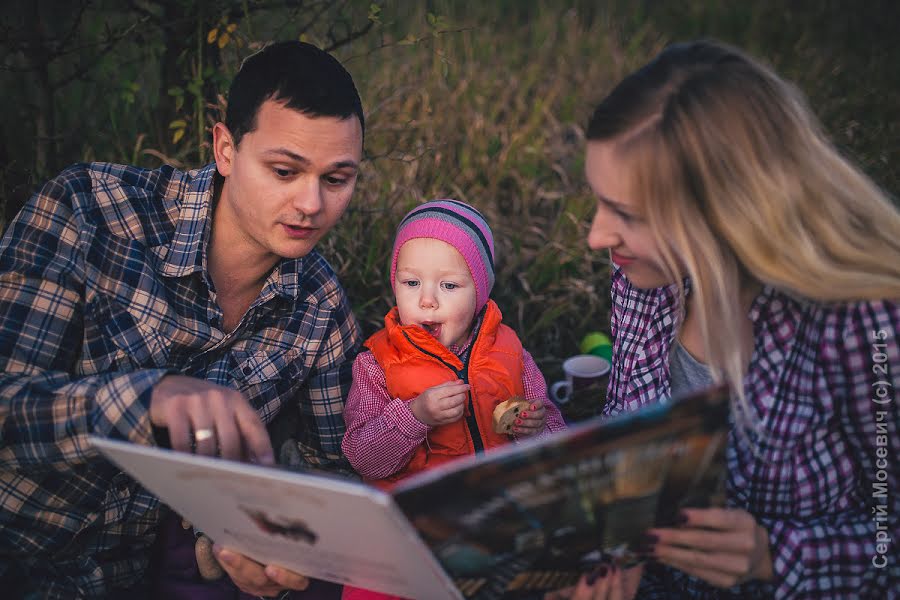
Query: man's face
x=287, y=183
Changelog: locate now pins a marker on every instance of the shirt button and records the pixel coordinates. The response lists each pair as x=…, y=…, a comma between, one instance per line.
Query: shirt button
x=247, y=370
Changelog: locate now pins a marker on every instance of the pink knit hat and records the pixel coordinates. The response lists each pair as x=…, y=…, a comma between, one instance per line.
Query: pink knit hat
x=459, y=225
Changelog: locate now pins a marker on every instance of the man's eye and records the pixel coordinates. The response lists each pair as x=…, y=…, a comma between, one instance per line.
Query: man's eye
x=282, y=172
x=335, y=181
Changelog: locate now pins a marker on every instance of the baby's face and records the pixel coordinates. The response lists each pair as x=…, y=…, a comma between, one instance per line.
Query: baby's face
x=435, y=290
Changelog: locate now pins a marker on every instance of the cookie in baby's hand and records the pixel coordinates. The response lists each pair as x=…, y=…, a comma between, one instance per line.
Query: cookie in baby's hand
x=506, y=413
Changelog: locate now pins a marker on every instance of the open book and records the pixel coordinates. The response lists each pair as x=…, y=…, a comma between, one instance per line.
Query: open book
x=513, y=523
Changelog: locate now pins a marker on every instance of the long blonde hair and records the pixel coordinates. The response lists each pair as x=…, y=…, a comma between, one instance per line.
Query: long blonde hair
x=739, y=185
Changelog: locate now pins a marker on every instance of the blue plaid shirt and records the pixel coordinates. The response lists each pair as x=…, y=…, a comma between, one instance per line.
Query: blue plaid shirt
x=103, y=291
x=816, y=481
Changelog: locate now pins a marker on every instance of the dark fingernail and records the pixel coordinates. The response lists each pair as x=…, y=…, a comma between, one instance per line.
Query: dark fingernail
x=518, y=421
x=598, y=573
x=681, y=519
x=646, y=544
x=534, y=407
x=523, y=415
x=648, y=539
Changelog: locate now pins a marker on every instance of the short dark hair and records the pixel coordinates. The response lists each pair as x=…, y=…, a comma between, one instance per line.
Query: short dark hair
x=304, y=77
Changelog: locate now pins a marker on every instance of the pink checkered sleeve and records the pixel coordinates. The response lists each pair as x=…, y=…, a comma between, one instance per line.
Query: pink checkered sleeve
x=536, y=389
x=382, y=433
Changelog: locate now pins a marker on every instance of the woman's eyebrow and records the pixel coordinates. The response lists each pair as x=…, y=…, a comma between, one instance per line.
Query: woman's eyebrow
x=619, y=206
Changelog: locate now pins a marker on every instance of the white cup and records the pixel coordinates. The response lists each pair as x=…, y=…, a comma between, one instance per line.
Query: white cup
x=582, y=370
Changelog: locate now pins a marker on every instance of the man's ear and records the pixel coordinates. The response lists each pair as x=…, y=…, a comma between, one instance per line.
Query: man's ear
x=223, y=149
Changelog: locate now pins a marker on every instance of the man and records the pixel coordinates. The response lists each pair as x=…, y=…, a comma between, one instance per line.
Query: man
x=145, y=305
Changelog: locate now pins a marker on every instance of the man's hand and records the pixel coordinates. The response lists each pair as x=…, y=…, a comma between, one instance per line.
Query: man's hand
x=722, y=546
x=256, y=579
x=531, y=421
x=441, y=404
x=233, y=429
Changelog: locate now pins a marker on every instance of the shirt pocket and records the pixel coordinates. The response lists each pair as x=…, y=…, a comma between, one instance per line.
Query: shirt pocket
x=117, y=339
x=256, y=368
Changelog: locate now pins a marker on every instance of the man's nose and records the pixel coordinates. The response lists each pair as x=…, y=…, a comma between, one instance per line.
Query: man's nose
x=307, y=197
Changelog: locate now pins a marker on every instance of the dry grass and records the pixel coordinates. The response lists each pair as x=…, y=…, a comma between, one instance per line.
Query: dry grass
x=488, y=104
x=492, y=113
x=445, y=120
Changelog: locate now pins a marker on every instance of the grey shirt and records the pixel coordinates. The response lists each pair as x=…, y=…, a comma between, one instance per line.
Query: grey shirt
x=686, y=372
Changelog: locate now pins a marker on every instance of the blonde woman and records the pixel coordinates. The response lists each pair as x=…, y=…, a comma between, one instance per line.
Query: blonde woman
x=747, y=250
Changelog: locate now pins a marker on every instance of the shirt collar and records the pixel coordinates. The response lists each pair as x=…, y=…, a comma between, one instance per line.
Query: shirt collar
x=186, y=251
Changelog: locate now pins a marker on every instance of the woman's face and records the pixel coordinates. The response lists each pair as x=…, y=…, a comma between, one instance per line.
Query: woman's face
x=618, y=224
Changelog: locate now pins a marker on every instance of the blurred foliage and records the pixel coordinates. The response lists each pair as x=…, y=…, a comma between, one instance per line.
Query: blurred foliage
x=484, y=102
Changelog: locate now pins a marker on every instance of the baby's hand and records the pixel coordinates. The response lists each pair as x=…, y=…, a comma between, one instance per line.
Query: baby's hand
x=532, y=420
x=441, y=404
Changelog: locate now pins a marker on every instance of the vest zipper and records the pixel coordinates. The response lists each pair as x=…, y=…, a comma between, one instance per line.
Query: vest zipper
x=471, y=420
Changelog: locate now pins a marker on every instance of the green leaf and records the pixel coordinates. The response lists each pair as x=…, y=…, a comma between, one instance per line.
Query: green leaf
x=374, y=13
x=178, y=124
x=179, y=133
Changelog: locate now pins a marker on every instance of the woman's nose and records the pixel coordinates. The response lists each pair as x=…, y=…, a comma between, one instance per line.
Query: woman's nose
x=603, y=233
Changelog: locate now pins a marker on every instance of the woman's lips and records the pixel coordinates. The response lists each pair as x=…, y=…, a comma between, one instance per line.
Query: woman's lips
x=620, y=260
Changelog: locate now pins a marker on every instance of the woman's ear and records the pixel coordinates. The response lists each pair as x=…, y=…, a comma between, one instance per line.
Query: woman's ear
x=223, y=149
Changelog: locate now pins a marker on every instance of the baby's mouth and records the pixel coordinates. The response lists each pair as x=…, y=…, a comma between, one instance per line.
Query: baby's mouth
x=433, y=329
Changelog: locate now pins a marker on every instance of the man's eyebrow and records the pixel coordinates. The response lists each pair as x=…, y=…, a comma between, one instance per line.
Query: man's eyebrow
x=288, y=153
x=342, y=164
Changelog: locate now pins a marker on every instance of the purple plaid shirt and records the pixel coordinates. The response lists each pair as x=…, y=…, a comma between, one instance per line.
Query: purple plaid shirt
x=824, y=481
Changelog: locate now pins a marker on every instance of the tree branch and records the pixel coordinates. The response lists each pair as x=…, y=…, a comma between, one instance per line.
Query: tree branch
x=87, y=65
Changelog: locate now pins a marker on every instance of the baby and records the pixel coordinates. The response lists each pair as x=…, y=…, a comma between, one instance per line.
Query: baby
x=426, y=390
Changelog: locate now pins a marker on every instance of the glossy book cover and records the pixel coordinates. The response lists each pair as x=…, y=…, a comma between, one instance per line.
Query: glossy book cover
x=533, y=517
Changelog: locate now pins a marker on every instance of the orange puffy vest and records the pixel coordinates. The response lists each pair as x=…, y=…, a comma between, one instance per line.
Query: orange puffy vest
x=413, y=361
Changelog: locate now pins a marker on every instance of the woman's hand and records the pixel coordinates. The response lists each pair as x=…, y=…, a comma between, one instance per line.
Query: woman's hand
x=256, y=579
x=607, y=582
x=532, y=420
x=722, y=546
